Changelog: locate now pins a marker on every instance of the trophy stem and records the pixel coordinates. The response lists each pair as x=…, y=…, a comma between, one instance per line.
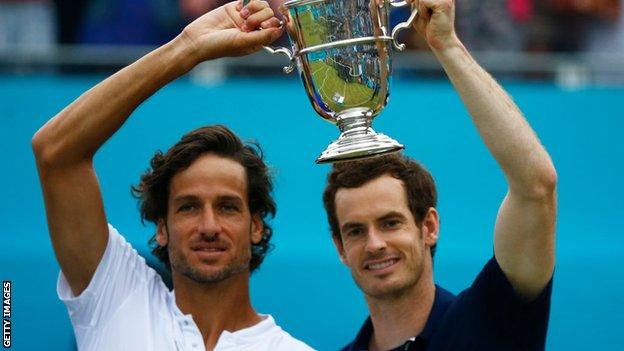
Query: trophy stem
x=355, y=122
x=357, y=139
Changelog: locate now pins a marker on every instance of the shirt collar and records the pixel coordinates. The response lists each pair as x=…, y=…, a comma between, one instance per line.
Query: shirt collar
x=441, y=302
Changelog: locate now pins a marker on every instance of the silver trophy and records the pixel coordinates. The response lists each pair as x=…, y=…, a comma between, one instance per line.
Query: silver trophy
x=342, y=51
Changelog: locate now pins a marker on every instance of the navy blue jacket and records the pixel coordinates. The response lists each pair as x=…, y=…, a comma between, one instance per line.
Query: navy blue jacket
x=486, y=316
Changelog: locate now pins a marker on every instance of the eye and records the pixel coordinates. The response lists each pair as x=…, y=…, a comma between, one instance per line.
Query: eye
x=391, y=223
x=189, y=207
x=228, y=207
x=353, y=232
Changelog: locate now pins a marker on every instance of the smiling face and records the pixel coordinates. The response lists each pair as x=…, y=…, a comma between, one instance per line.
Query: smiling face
x=380, y=241
x=209, y=229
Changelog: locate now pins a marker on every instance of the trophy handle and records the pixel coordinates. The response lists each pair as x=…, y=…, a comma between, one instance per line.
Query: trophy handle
x=284, y=51
x=401, y=26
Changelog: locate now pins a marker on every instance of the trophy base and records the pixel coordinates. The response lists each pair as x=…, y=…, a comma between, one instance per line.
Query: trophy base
x=354, y=147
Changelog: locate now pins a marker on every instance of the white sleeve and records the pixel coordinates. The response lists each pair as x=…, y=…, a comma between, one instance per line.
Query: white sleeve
x=120, y=272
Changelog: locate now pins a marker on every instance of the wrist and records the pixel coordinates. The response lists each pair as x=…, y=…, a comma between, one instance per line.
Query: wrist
x=447, y=49
x=185, y=52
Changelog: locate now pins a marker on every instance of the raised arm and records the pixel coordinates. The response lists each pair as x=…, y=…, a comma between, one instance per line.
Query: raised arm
x=64, y=147
x=524, y=235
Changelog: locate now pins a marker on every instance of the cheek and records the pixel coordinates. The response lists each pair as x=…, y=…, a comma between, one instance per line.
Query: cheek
x=183, y=225
x=416, y=248
x=241, y=239
x=184, y=221
x=173, y=241
x=178, y=233
x=238, y=232
x=351, y=254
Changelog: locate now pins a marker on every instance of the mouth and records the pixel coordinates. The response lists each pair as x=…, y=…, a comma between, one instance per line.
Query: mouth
x=381, y=266
x=209, y=249
x=209, y=252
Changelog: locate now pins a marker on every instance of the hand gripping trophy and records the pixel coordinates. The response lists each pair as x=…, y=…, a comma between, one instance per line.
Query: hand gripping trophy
x=342, y=51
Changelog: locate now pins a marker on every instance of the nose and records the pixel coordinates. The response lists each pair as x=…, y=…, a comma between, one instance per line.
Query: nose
x=374, y=242
x=209, y=223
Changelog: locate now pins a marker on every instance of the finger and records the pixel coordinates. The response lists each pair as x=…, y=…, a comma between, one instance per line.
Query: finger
x=422, y=17
x=254, y=20
x=263, y=37
x=239, y=5
x=253, y=7
x=437, y=6
x=424, y=12
x=256, y=5
x=271, y=23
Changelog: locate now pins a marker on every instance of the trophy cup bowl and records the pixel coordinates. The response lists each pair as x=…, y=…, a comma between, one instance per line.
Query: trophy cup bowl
x=342, y=51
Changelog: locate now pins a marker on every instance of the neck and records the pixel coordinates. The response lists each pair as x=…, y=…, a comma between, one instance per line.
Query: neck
x=396, y=319
x=216, y=307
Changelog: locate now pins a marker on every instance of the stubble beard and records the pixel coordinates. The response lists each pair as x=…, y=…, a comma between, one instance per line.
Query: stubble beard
x=395, y=290
x=181, y=265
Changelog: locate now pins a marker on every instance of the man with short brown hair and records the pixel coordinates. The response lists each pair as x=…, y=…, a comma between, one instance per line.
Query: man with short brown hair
x=385, y=227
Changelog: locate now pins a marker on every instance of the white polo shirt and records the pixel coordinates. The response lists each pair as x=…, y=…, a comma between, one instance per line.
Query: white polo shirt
x=127, y=307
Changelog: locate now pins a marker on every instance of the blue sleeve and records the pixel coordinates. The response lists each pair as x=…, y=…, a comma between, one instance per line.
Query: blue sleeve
x=489, y=315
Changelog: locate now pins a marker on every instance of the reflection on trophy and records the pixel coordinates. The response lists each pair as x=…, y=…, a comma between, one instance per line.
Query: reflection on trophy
x=342, y=51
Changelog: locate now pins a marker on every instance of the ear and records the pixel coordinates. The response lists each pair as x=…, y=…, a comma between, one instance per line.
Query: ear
x=431, y=227
x=340, y=248
x=257, y=229
x=162, y=236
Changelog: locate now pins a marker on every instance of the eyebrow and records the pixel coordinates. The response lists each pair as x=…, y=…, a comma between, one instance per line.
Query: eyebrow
x=190, y=197
x=389, y=215
x=184, y=198
x=232, y=198
x=350, y=225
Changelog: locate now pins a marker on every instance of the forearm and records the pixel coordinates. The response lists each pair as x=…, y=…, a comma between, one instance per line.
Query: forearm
x=525, y=225
x=526, y=164
x=65, y=146
x=78, y=131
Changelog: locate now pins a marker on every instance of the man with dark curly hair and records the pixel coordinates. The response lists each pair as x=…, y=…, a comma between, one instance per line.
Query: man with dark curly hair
x=209, y=196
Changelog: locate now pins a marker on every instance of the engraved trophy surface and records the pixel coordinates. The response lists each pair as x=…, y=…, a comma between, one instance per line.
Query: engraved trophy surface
x=342, y=52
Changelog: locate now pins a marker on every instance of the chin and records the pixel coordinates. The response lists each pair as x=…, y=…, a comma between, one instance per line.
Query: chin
x=385, y=289
x=213, y=275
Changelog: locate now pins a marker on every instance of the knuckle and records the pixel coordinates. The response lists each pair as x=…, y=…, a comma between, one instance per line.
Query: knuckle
x=262, y=15
x=269, y=23
x=259, y=5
